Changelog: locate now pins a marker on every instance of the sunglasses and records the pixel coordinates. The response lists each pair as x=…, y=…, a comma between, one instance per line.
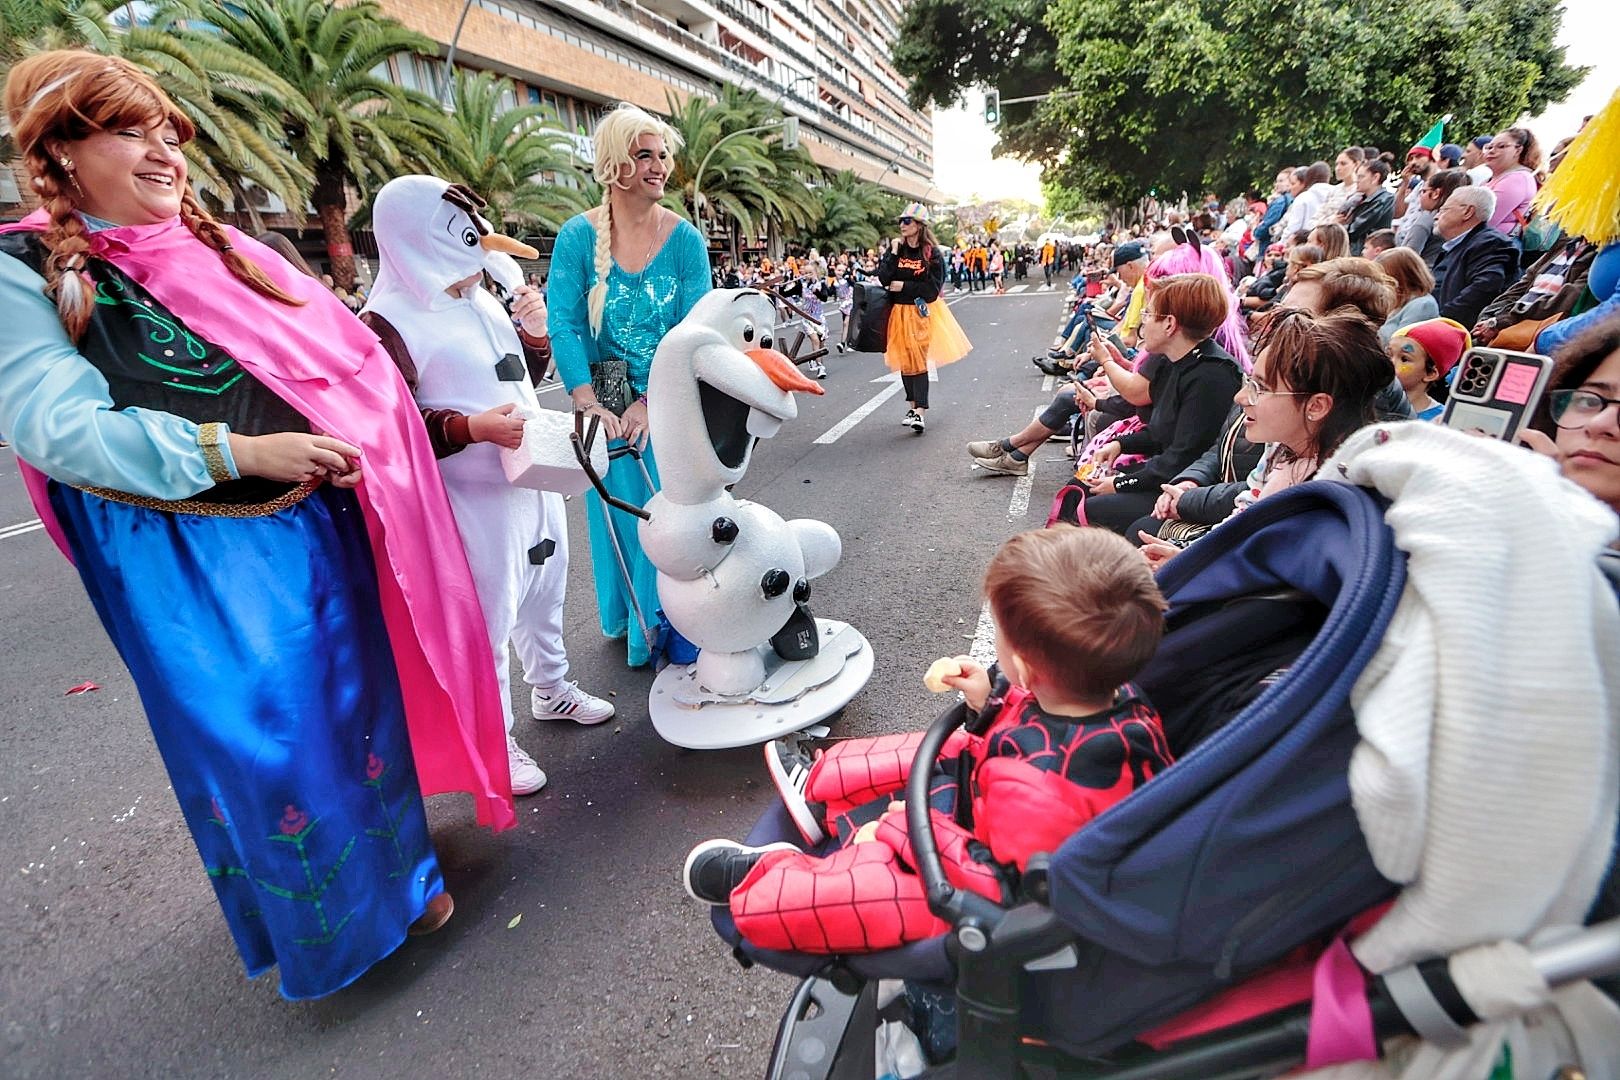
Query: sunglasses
x=908, y=221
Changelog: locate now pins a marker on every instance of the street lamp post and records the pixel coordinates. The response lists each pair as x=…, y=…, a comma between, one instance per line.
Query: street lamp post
x=697, y=177
x=450, y=61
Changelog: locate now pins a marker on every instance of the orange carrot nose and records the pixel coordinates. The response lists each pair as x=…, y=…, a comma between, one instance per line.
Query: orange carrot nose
x=782, y=372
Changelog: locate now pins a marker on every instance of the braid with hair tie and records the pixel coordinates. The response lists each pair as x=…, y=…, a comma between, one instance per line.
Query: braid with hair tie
x=211, y=232
x=596, y=302
x=68, y=245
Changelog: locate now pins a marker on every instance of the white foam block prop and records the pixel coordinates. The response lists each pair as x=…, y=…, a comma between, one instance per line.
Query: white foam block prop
x=545, y=460
x=794, y=696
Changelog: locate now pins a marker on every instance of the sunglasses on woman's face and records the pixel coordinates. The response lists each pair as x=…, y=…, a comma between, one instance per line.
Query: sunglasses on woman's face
x=908, y=221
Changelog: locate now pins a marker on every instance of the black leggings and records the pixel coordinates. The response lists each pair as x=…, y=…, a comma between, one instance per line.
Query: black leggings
x=1117, y=513
x=916, y=389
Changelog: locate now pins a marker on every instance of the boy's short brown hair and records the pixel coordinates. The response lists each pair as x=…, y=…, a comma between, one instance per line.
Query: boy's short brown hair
x=1079, y=605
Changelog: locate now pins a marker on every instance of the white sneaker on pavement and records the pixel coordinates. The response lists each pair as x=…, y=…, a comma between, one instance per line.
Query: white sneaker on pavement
x=566, y=701
x=527, y=777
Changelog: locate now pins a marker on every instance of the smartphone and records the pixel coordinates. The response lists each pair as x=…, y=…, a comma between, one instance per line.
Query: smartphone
x=1494, y=392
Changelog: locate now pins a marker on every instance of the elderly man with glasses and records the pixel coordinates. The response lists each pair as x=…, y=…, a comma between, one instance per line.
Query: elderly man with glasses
x=1476, y=262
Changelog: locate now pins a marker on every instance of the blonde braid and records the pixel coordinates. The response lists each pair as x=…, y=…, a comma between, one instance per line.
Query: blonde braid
x=211, y=232
x=68, y=247
x=596, y=301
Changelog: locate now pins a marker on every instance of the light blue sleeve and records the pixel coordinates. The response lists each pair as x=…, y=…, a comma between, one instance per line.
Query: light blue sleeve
x=573, y=271
x=695, y=276
x=1559, y=333
x=57, y=411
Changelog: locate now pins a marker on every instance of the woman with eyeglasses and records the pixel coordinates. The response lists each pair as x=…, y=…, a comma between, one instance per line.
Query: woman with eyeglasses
x=1513, y=157
x=1579, y=420
x=1316, y=380
x=921, y=331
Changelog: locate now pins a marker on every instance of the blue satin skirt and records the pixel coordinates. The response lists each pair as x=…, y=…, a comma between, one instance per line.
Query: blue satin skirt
x=262, y=661
x=624, y=481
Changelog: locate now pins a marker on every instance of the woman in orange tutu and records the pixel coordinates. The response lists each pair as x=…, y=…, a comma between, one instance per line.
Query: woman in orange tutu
x=921, y=331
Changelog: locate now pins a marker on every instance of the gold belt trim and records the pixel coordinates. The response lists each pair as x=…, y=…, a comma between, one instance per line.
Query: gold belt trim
x=208, y=509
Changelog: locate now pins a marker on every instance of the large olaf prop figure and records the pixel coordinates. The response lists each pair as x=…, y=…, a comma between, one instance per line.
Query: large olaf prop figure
x=733, y=576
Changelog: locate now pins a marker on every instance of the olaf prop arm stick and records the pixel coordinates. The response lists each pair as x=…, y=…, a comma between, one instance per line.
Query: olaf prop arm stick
x=733, y=576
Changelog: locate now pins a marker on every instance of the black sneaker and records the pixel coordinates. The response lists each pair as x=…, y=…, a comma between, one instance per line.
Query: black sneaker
x=716, y=867
x=788, y=761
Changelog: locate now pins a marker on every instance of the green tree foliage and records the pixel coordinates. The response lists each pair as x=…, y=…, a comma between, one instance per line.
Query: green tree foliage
x=348, y=124
x=751, y=183
x=1196, y=94
x=229, y=96
x=517, y=158
x=852, y=212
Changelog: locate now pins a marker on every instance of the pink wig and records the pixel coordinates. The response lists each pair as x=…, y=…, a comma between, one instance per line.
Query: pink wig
x=1186, y=259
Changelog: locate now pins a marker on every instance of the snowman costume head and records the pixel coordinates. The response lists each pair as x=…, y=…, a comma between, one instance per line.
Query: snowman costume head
x=430, y=235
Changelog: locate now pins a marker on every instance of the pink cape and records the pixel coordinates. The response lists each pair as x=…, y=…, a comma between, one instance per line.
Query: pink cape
x=323, y=361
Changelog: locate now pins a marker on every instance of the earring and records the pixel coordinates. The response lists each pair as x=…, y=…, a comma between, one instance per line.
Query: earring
x=72, y=174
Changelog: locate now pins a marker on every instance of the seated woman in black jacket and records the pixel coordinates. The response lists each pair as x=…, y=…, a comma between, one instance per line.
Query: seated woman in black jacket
x=1191, y=396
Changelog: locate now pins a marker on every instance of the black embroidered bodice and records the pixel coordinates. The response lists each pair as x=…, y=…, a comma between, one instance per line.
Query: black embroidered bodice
x=152, y=361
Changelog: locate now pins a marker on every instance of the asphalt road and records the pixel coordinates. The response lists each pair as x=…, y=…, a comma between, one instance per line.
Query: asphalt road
x=116, y=962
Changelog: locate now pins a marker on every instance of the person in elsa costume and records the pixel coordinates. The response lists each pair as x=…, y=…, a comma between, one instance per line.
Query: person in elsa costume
x=622, y=275
x=237, y=471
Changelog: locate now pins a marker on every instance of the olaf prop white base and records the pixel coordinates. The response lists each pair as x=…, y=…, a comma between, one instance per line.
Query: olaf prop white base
x=793, y=696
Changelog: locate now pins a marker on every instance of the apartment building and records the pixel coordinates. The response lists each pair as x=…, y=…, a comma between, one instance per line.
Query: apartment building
x=825, y=61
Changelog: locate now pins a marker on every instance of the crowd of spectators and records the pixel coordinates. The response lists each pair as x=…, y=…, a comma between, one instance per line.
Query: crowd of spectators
x=1357, y=287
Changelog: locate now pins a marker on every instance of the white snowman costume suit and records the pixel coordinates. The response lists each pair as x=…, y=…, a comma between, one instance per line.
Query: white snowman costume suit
x=426, y=244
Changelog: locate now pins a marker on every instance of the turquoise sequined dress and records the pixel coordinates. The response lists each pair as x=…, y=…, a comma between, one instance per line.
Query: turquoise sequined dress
x=640, y=310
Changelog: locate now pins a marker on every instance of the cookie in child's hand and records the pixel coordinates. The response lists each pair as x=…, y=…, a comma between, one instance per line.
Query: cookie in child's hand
x=940, y=670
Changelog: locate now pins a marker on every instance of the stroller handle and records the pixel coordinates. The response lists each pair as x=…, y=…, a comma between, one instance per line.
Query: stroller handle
x=959, y=907
x=581, y=441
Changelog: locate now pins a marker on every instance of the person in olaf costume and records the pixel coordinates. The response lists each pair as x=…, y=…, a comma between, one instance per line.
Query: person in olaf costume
x=473, y=373
x=1424, y=354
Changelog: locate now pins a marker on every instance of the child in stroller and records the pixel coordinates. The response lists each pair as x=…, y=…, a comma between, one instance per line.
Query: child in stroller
x=1077, y=615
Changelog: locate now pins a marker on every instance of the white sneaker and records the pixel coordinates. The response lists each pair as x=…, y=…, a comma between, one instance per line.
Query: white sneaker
x=817, y=368
x=566, y=701
x=526, y=775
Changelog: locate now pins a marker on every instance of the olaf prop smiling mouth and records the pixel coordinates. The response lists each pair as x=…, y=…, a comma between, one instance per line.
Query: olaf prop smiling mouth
x=732, y=424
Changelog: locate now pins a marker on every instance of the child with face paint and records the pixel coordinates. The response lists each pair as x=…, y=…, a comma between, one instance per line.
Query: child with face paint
x=1424, y=355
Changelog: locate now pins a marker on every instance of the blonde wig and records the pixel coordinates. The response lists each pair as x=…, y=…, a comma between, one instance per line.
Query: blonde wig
x=615, y=141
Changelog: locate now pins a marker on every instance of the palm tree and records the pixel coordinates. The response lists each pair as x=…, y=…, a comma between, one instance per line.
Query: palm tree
x=227, y=95
x=751, y=181
x=850, y=209
x=352, y=127
x=503, y=156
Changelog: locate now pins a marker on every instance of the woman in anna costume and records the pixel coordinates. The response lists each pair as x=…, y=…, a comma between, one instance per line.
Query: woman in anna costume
x=228, y=457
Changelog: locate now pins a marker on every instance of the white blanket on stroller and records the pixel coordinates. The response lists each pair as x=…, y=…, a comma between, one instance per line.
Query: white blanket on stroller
x=1488, y=773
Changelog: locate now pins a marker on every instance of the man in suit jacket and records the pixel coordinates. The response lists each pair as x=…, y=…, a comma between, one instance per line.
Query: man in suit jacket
x=1476, y=262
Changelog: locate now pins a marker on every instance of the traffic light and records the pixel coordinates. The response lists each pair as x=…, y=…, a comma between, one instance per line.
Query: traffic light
x=992, y=108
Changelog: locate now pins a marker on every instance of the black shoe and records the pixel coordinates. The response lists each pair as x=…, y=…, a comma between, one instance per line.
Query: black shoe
x=1057, y=371
x=716, y=867
x=789, y=760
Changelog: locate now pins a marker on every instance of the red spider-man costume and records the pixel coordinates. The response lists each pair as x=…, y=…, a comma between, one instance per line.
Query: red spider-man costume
x=1032, y=778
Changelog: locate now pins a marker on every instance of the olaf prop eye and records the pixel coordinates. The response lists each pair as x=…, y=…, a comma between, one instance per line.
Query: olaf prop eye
x=748, y=332
x=469, y=236
x=765, y=342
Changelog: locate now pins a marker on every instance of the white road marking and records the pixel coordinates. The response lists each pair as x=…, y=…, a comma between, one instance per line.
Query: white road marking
x=984, y=635
x=1016, y=289
x=840, y=429
x=1047, y=384
x=984, y=638
x=18, y=530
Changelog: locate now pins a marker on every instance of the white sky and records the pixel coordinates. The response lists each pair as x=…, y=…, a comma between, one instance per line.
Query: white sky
x=965, y=171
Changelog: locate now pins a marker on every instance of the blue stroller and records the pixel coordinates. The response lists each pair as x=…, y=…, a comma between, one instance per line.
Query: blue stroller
x=1244, y=851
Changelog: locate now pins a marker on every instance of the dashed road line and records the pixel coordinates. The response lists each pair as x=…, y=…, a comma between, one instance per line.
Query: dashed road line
x=842, y=428
x=20, y=529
